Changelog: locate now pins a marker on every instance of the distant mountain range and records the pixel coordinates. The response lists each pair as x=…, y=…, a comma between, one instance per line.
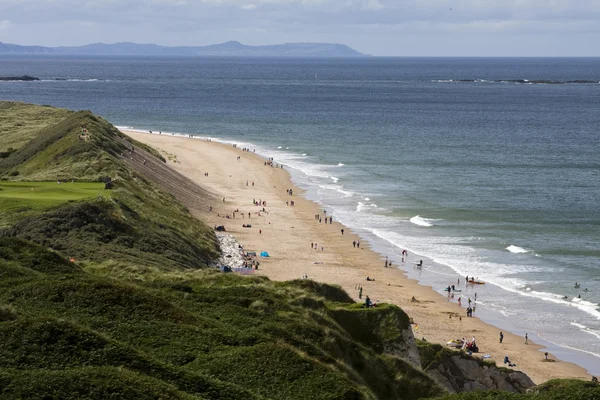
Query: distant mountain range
x=223, y=49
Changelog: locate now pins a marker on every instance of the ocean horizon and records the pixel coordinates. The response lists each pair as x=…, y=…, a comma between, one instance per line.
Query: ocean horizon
x=483, y=167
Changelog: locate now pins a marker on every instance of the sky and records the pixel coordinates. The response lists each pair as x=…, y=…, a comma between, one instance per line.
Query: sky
x=554, y=28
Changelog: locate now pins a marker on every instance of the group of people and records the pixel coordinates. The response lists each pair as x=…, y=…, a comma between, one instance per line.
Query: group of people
x=470, y=346
x=330, y=218
x=314, y=246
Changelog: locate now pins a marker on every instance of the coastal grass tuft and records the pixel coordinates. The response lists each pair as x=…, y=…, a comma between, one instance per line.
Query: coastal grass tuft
x=556, y=389
x=21, y=122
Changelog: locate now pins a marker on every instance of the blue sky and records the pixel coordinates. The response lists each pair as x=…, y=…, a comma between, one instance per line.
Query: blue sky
x=377, y=27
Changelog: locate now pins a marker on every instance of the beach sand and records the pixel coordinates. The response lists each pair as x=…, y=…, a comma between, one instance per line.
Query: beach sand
x=287, y=232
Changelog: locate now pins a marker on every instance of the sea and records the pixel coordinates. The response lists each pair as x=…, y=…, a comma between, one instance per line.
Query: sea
x=480, y=167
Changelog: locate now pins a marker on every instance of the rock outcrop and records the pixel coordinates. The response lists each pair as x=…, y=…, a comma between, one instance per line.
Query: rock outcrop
x=26, y=78
x=459, y=372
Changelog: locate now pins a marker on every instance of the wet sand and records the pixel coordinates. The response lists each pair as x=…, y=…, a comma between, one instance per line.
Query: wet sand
x=286, y=233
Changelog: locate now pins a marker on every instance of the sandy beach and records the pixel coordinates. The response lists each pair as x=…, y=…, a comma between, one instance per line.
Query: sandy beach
x=287, y=232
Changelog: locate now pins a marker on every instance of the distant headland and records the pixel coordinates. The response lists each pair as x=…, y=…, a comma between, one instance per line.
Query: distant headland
x=227, y=49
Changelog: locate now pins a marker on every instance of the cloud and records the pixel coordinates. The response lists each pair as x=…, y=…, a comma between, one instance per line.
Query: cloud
x=249, y=7
x=5, y=24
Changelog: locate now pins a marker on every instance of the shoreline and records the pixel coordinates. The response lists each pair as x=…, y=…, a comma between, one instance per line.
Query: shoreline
x=335, y=261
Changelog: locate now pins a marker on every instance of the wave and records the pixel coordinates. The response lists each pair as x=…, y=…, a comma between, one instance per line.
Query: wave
x=586, y=306
x=341, y=165
x=334, y=179
x=564, y=346
x=417, y=220
x=585, y=329
x=362, y=206
x=75, y=80
x=519, y=81
x=516, y=249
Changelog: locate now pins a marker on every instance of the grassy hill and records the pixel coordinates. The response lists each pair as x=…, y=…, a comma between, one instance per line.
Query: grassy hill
x=105, y=292
x=135, y=224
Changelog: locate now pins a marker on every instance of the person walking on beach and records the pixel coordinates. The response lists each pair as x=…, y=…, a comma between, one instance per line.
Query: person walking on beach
x=526, y=339
x=342, y=231
x=358, y=244
x=354, y=243
x=501, y=337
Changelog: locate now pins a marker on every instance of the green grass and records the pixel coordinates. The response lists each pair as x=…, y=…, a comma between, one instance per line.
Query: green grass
x=50, y=192
x=20, y=122
x=19, y=200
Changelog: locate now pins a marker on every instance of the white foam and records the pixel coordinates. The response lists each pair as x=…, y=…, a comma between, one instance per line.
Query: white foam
x=341, y=165
x=564, y=346
x=417, y=220
x=367, y=199
x=583, y=305
x=516, y=249
x=304, y=154
x=362, y=206
x=338, y=189
x=278, y=147
x=585, y=329
x=334, y=179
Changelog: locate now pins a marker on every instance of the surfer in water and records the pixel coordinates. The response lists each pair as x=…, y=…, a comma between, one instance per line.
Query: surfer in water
x=420, y=264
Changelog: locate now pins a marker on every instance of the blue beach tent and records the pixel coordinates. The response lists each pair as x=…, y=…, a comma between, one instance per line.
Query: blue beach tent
x=264, y=254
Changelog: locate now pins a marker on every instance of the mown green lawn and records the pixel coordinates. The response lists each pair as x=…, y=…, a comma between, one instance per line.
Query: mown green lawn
x=23, y=199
